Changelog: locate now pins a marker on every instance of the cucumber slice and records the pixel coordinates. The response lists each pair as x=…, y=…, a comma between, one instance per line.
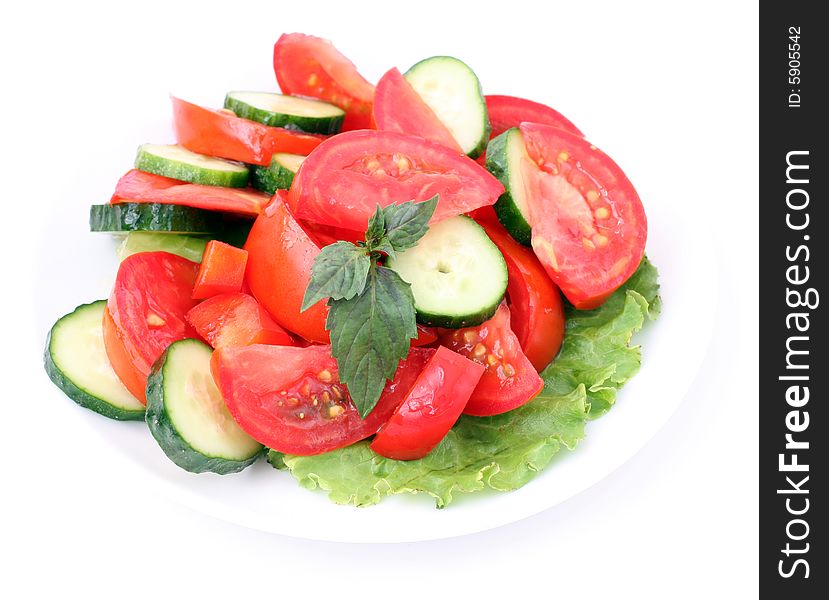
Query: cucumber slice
x=76, y=361
x=288, y=112
x=504, y=158
x=453, y=92
x=188, y=417
x=177, y=162
x=235, y=232
x=160, y=218
x=191, y=248
x=458, y=275
x=279, y=175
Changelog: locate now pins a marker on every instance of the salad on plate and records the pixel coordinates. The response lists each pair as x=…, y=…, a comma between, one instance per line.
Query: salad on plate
x=402, y=287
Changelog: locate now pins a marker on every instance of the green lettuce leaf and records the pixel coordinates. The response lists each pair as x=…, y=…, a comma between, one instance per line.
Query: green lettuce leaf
x=596, y=352
x=502, y=452
x=505, y=451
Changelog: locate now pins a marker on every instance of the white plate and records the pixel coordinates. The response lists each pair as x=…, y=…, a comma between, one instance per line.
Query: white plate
x=265, y=499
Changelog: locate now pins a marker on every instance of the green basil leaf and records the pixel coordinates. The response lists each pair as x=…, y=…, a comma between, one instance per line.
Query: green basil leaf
x=339, y=272
x=407, y=222
x=384, y=245
x=370, y=334
x=376, y=228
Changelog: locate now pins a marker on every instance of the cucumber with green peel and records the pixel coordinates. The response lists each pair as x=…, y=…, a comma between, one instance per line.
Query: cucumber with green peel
x=236, y=231
x=76, y=361
x=177, y=162
x=188, y=417
x=289, y=162
x=289, y=112
x=159, y=218
x=453, y=92
x=279, y=175
x=191, y=248
x=504, y=158
x=458, y=276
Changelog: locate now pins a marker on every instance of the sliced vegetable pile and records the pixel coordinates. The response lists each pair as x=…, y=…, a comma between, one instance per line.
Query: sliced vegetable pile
x=365, y=283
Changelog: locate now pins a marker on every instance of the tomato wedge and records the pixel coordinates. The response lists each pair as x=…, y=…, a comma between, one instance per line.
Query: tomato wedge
x=343, y=180
x=222, y=270
x=146, y=313
x=280, y=257
x=137, y=186
x=310, y=66
x=398, y=107
x=510, y=379
x=221, y=133
x=536, y=309
x=236, y=320
x=324, y=235
x=430, y=408
x=509, y=111
x=588, y=224
x=291, y=400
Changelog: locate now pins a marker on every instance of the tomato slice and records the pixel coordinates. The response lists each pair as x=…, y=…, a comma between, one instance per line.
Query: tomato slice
x=588, y=223
x=280, y=257
x=310, y=66
x=324, y=235
x=398, y=107
x=146, y=313
x=291, y=400
x=236, y=320
x=536, y=309
x=430, y=408
x=510, y=379
x=485, y=214
x=508, y=111
x=344, y=179
x=137, y=186
x=222, y=270
x=221, y=133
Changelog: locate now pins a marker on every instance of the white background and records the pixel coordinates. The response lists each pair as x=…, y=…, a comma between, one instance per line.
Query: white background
x=669, y=93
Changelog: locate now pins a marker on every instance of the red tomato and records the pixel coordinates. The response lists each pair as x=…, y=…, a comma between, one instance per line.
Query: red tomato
x=121, y=360
x=137, y=186
x=222, y=270
x=430, y=408
x=425, y=336
x=221, y=133
x=588, y=224
x=310, y=66
x=236, y=320
x=510, y=379
x=146, y=313
x=280, y=256
x=324, y=235
x=509, y=111
x=398, y=107
x=344, y=179
x=536, y=309
x=485, y=214
x=291, y=400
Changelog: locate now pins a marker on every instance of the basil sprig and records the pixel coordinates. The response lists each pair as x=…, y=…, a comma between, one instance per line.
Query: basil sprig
x=371, y=314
